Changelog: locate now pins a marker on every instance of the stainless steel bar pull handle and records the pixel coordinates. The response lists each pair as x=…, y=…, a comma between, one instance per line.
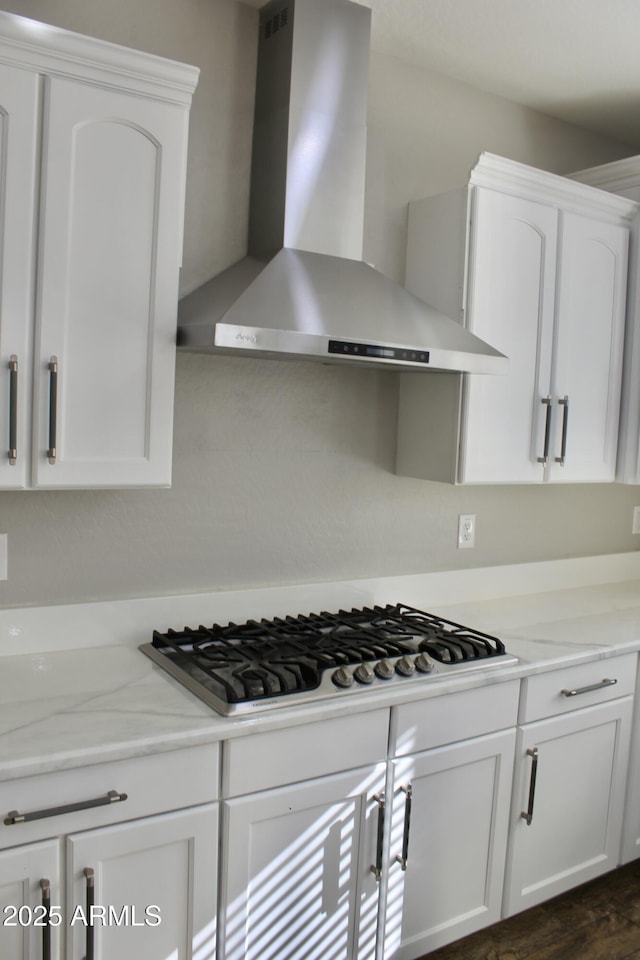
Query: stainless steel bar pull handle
x=564, y=402
x=53, y=409
x=528, y=813
x=13, y=409
x=376, y=868
x=403, y=858
x=90, y=899
x=607, y=682
x=547, y=430
x=14, y=816
x=45, y=886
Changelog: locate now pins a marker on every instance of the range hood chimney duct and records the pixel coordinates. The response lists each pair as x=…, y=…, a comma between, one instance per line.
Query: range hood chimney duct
x=304, y=291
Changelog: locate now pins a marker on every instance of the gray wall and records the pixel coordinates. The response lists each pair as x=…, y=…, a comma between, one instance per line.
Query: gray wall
x=283, y=472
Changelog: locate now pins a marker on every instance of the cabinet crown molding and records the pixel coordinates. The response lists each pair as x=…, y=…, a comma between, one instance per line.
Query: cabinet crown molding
x=45, y=48
x=511, y=176
x=618, y=175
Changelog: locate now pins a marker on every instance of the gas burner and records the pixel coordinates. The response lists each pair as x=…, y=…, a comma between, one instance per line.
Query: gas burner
x=264, y=663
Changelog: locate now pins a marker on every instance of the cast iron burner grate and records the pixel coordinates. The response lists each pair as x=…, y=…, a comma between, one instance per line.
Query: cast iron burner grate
x=268, y=658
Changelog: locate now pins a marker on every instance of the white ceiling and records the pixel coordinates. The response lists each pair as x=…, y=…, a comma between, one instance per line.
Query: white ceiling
x=578, y=60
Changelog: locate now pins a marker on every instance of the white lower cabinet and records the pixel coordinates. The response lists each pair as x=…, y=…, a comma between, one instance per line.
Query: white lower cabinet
x=131, y=871
x=153, y=885
x=388, y=860
x=491, y=800
x=456, y=843
x=297, y=880
x=570, y=776
x=449, y=820
x=378, y=836
x=140, y=890
x=631, y=825
x=29, y=876
x=299, y=852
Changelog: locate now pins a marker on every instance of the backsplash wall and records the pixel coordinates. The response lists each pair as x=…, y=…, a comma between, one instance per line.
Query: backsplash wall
x=283, y=471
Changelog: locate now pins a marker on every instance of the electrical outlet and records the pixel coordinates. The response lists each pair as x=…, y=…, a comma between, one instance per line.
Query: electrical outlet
x=466, y=530
x=3, y=556
x=635, y=526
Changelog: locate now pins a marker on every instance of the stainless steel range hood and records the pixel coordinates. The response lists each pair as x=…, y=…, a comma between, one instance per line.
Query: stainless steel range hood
x=304, y=290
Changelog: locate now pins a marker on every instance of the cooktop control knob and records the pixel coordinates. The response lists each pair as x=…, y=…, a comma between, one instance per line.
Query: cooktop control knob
x=405, y=667
x=342, y=678
x=423, y=664
x=363, y=673
x=383, y=669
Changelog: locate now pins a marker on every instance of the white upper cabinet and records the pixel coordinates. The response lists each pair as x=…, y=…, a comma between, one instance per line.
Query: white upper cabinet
x=511, y=297
x=109, y=242
x=623, y=178
x=587, y=373
x=536, y=266
x=90, y=282
x=18, y=139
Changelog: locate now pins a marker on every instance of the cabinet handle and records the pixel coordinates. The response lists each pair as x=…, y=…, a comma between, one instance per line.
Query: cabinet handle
x=13, y=409
x=45, y=886
x=547, y=430
x=90, y=888
x=607, y=682
x=564, y=402
x=376, y=868
x=528, y=814
x=402, y=859
x=53, y=409
x=14, y=817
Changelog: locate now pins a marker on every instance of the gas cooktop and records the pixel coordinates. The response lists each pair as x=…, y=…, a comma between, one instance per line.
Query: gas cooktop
x=238, y=668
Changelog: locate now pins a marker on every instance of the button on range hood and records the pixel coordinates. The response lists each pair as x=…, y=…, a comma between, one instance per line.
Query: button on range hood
x=304, y=290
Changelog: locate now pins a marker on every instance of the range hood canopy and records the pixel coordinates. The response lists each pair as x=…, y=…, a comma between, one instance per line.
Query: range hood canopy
x=304, y=291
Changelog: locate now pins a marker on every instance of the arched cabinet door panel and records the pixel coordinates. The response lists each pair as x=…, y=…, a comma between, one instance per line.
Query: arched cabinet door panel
x=112, y=195
x=589, y=341
x=511, y=291
x=18, y=168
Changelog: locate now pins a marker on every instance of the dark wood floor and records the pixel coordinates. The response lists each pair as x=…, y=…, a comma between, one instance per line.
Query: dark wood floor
x=598, y=921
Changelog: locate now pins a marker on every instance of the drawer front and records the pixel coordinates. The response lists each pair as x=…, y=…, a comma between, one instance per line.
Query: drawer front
x=304, y=752
x=152, y=784
x=580, y=685
x=424, y=724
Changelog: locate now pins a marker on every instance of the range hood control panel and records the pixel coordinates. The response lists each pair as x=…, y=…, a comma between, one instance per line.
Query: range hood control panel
x=351, y=349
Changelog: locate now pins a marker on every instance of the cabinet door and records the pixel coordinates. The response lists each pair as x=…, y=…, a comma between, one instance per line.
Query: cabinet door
x=296, y=875
x=510, y=305
x=590, y=316
x=631, y=825
x=110, y=239
x=577, y=803
x=21, y=870
x=155, y=888
x=457, y=837
x=18, y=151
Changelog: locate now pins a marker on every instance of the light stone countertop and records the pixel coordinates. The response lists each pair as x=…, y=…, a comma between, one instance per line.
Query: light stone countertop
x=62, y=709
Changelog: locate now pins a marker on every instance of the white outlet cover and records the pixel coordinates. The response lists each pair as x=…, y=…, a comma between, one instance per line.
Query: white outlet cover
x=466, y=531
x=3, y=556
x=635, y=527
